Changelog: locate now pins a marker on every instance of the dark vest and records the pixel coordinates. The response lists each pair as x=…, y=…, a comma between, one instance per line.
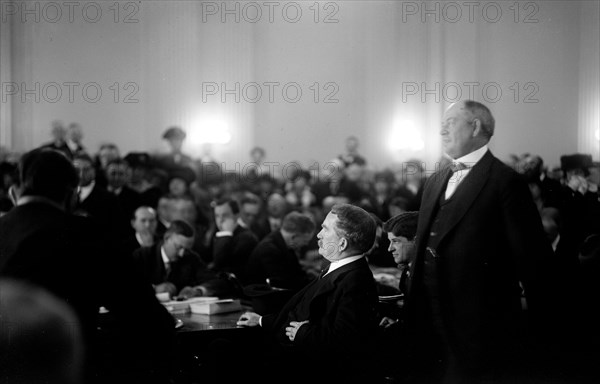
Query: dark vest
x=432, y=260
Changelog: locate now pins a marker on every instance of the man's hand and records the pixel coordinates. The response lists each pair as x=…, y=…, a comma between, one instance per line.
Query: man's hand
x=147, y=238
x=188, y=292
x=166, y=287
x=578, y=184
x=249, y=319
x=387, y=322
x=228, y=225
x=291, y=331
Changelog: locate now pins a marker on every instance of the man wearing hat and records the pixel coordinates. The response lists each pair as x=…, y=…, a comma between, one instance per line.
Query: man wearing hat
x=175, y=159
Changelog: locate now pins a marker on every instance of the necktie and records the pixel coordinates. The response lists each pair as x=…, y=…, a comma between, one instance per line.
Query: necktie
x=323, y=272
x=455, y=167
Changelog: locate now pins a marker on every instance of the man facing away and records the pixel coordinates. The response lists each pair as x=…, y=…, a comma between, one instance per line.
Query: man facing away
x=42, y=243
x=332, y=319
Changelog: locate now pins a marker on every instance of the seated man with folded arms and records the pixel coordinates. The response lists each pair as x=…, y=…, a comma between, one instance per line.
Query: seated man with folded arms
x=332, y=320
x=276, y=257
x=232, y=244
x=171, y=267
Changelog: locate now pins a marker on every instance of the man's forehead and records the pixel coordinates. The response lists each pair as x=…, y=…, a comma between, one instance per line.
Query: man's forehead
x=224, y=208
x=144, y=213
x=331, y=218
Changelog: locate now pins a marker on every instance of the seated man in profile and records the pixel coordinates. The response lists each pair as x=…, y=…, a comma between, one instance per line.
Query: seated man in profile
x=275, y=258
x=332, y=320
x=171, y=267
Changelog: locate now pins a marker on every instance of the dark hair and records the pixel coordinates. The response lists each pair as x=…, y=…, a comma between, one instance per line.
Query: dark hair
x=378, y=221
x=48, y=173
x=235, y=208
x=179, y=227
x=355, y=225
x=403, y=224
x=84, y=157
x=258, y=149
x=174, y=133
x=298, y=223
x=483, y=114
x=400, y=202
x=117, y=162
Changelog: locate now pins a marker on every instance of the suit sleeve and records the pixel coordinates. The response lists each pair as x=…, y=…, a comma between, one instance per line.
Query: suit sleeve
x=529, y=246
x=346, y=325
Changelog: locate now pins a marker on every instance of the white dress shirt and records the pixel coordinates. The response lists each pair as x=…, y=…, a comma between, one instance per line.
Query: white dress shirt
x=469, y=160
x=340, y=263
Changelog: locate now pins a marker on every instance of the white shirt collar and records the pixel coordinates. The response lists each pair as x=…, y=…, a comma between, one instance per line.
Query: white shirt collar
x=470, y=159
x=340, y=263
x=165, y=258
x=84, y=192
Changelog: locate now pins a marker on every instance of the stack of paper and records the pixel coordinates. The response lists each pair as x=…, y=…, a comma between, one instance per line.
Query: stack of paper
x=183, y=306
x=214, y=307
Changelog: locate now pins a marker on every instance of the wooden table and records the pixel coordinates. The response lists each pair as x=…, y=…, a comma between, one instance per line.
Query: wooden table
x=202, y=338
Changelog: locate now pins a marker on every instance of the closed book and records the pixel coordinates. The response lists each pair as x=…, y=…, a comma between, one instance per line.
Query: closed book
x=183, y=306
x=214, y=307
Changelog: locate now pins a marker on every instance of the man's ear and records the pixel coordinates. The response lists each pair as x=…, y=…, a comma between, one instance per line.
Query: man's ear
x=476, y=127
x=343, y=244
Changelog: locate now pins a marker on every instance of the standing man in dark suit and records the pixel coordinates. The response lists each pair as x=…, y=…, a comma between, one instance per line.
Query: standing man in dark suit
x=331, y=320
x=479, y=237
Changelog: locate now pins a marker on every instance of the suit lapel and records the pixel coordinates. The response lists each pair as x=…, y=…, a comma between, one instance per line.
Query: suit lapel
x=429, y=202
x=330, y=281
x=467, y=191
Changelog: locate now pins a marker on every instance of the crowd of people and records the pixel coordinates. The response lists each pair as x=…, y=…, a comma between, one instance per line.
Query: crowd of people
x=472, y=243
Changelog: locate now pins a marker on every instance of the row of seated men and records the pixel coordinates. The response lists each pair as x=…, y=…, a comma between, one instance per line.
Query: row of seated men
x=38, y=228
x=74, y=258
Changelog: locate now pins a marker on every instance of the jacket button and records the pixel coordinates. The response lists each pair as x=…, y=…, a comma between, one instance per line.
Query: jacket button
x=433, y=234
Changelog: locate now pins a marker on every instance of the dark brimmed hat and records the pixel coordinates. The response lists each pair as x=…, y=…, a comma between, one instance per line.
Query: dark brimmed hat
x=576, y=161
x=138, y=160
x=174, y=133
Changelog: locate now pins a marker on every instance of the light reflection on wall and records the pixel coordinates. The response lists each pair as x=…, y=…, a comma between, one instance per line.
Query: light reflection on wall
x=206, y=136
x=405, y=138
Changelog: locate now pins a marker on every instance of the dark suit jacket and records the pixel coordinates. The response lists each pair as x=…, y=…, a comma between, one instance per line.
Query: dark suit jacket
x=68, y=256
x=103, y=207
x=230, y=253
x=186, y=271
x=342, y=318
x=129, y=201
x=493, y=240
x=274, y=260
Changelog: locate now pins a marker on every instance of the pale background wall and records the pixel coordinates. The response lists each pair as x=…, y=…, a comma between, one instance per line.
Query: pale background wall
x=374, y=51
